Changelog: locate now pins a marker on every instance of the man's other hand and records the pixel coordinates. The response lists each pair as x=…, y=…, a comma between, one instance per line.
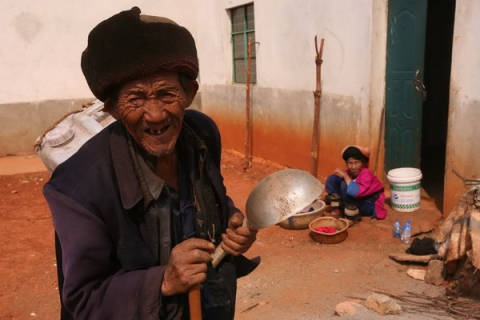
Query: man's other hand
x=238, y=238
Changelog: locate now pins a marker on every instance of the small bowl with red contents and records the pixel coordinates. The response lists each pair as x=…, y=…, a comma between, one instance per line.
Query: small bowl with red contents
x=328, y=230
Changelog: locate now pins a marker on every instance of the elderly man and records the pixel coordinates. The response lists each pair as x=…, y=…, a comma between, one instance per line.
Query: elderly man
x=138, y=208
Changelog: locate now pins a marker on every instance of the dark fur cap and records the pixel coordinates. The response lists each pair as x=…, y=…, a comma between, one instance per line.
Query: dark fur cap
x=129, y=45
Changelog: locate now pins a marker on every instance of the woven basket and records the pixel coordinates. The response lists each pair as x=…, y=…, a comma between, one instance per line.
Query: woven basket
x=341, y=225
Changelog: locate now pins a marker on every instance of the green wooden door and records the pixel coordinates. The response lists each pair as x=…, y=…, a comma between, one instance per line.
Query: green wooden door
x=404, y=99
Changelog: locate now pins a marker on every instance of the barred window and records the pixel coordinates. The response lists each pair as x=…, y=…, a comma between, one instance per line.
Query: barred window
x=243, y=28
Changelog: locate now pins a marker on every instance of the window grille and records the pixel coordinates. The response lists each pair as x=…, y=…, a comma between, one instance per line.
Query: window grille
x=243, y=27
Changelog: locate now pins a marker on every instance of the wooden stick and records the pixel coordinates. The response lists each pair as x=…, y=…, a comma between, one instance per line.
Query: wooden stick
x=380, y=135
x=194, y=302
x=248, y=138
x=316, y=118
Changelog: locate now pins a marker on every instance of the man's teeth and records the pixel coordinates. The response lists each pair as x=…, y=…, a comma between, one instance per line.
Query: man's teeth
x=157, y=132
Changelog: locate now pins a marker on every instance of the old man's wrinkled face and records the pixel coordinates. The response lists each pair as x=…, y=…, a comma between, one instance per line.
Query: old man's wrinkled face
x=152, y=110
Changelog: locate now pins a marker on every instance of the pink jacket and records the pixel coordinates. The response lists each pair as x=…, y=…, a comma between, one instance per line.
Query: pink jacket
x=366, y=184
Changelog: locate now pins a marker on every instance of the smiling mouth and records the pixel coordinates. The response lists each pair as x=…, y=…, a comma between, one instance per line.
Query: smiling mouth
x=157, y=132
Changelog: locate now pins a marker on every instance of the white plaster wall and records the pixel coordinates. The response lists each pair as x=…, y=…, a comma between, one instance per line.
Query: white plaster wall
x=464, y=111
x=42, y=42
x=377, y=86
x=285, y=30
x=466, y=47
x=355, y=35
x=287, y=49
x=212, y=37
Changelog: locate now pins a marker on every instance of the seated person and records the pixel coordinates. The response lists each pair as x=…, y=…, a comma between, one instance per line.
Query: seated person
x=358, y=187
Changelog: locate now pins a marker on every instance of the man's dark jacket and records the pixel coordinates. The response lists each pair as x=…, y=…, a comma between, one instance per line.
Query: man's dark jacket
x=106, y=269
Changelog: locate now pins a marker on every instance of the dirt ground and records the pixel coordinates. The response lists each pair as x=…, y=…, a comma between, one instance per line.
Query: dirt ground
x=297, y=278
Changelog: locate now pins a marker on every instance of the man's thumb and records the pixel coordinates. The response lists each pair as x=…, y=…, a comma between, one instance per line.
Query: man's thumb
x=236, y=220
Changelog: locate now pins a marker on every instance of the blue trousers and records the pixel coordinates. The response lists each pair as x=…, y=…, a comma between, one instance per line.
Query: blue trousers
x=336, y=184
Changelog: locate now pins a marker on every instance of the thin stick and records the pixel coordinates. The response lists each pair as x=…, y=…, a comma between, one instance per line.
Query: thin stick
x=316, y=118
x=251, y=307
x=248, y=138
x=440, y=306
x=380, y=134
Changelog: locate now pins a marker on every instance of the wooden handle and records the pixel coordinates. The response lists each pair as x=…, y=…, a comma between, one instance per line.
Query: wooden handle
x=218, y=255
x=194, y=302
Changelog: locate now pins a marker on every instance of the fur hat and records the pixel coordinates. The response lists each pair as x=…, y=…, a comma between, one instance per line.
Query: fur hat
x=129, y=45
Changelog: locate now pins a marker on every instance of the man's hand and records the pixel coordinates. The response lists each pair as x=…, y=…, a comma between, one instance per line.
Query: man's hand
x=238, y=239
x=187, y=266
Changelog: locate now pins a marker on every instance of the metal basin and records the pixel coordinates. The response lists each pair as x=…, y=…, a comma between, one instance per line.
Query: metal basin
x=280, y=196
x=302, y=219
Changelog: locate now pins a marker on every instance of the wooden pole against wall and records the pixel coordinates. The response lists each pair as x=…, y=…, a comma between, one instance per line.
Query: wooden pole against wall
x=379, y=142
x=248, y=138
x=316, y=118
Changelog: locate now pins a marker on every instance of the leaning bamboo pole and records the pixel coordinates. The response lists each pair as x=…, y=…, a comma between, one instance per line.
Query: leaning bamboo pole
x=248, y=135
x=316, y=118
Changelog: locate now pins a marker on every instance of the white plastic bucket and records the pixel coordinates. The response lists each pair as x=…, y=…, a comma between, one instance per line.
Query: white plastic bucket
x=405, y=188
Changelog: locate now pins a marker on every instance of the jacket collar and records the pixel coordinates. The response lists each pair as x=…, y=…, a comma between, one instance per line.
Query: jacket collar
x=128, y=184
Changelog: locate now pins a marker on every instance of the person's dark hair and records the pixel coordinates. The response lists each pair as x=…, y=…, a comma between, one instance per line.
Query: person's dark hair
x=355, y=153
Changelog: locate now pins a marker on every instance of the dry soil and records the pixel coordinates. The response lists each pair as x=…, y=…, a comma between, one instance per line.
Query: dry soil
x=298, y=278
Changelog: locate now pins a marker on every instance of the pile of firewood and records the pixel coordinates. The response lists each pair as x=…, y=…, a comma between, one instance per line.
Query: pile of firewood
x=458, y=243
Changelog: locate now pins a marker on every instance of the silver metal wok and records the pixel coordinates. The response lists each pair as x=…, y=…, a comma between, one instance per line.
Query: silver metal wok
x=276, y=198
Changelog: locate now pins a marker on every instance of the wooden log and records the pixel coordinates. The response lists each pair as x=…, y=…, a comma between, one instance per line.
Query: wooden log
x=405, y=257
